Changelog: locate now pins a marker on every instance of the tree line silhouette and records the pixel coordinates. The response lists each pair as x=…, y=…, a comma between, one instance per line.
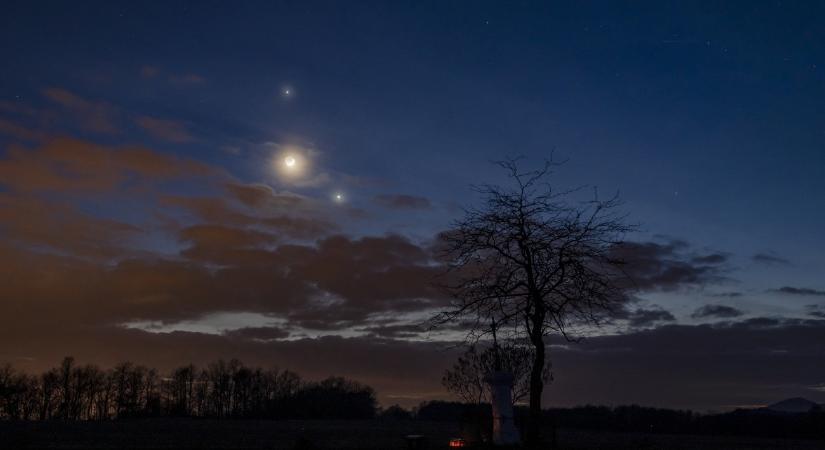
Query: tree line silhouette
x=222, y=389
x=229, y=389
x=640, y=419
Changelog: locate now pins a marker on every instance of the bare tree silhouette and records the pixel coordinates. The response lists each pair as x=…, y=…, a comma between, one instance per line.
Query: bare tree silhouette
x=466, y=377
x=534, y=262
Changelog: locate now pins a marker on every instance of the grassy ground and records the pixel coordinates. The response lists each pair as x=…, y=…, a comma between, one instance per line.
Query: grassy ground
x=289, y=435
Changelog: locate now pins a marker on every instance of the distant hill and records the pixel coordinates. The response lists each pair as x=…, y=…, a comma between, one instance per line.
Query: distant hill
x=793, y=406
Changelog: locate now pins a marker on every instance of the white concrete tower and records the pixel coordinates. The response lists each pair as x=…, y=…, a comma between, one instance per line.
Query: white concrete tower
x=504, y=428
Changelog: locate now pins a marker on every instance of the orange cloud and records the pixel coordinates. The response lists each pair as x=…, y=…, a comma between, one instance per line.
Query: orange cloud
x=67, y=164
x=95, y=116
x=76, y=261
x=61, y=227
x=288, y=214
x=219, y=237
x=18, y=131
x=262, y=196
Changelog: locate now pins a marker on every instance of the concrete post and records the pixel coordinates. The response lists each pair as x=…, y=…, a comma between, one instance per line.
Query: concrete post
x=504, y=428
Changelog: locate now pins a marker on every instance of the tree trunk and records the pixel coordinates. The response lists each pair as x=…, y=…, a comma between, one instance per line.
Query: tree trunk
x=533, y=439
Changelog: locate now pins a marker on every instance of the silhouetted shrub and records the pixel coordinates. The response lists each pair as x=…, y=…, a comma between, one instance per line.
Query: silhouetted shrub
x=395, y=412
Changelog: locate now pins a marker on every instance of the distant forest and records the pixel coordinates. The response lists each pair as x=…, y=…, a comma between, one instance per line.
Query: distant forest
x=220, y=390
x=229, y=389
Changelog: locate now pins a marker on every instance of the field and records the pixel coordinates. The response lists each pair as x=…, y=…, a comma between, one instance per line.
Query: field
x=288, y=435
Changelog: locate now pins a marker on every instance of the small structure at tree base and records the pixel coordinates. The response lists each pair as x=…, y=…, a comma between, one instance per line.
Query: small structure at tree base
x=416, y=442
x=504, y=428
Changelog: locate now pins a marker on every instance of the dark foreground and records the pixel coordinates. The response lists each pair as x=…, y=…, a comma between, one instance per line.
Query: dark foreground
x=326, y=434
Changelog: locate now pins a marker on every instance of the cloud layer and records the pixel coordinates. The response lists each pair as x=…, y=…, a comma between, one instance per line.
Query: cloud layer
x=103, y=246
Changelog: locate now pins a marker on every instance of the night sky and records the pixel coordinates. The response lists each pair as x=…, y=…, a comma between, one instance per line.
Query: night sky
x=147, y=211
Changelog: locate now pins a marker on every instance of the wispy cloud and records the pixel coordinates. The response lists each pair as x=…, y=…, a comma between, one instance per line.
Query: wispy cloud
x=770, y=259
x=716, y=311
x=799, y=291
x=670, y=265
